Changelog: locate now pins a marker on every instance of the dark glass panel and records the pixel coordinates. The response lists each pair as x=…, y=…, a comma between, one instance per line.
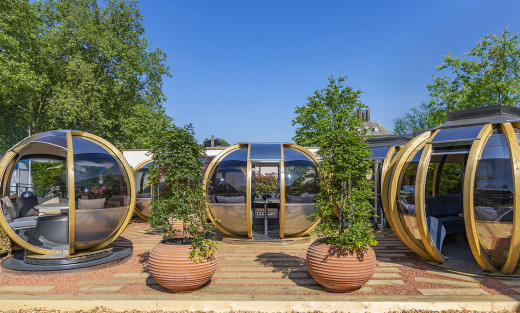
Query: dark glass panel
x=267, y=151
x=301, y=178
x=379, y=153
x=229, y=176
x=493, y=198
x=469, y=132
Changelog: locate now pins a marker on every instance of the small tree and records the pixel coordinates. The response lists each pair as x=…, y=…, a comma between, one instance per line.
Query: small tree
x=179, y=165
x=330, y=120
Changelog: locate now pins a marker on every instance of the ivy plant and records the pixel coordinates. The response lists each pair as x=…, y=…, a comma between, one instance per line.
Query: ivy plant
x=330, y=120
x=179, y=165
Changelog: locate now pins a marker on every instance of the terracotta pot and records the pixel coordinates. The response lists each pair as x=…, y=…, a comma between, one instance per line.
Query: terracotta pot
x=336, y=269
x=171, y=268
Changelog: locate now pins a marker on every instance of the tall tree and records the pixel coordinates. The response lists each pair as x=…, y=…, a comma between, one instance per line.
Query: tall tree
x=81, y=65
x=330, y=120
x=488, y=74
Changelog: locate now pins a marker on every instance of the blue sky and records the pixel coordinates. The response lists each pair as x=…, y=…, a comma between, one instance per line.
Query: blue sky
x=239, y=68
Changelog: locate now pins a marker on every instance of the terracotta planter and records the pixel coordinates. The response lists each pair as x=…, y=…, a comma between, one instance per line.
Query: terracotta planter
x=336, y=269
x=171, y=268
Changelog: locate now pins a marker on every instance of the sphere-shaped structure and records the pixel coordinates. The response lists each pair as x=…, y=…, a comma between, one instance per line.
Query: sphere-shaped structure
x=459, y=185
x=65, y=191
x=235, y=180
x=144, y=193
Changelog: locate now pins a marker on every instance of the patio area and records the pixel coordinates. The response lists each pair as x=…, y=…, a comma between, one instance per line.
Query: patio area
x=258, y=277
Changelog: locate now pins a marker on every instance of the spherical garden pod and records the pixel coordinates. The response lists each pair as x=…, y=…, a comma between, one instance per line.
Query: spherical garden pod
x=456, y=188
x=237, y=208
x=65, y=193
x=144, y=192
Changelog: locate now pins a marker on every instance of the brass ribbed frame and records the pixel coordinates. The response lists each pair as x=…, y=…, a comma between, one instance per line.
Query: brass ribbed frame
x=216, y=160
x=6, y=166
x=227, y=151
x=282, y=194
x=136, y=169
x=420, y=196
x=389, y=193
x=248, y=194
x=468, y=194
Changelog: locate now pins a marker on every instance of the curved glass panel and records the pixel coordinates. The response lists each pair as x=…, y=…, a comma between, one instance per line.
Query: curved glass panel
x=493, y=198
x=227, y=191
x=102, y=193
x=406, y=197
x=379, y=152
x=301, y=186
x=444, y=200
x=265, y=151
x=459, y=133
x=35, y=205
x=143, y=190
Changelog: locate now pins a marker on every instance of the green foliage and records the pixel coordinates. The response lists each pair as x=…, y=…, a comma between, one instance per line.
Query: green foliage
x=219, y=142
x=179, y=165
x=330, y=120
x=266, y=183
x=81, y=65
x=489, y=74
x=5, y=242
x=49, y=178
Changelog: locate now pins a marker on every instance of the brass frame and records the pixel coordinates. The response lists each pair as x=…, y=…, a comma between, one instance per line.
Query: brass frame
x=209, y=170
x=389, y=193
x=5, y=168
x=135, y=170
x=420, y=196
x=282, y=193
x=468, y=193
x=224, y=153
x=514, y=153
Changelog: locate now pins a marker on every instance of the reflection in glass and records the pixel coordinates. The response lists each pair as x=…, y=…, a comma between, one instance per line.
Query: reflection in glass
x=460, y=133
x=406, y=197
x=38, y=179
x=143, y=190
x=227, y=192
x=493, y=198
x=101, y=191
x=265, y=151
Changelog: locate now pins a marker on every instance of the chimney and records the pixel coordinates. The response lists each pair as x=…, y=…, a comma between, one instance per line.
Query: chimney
x=212, y=141
x=367, y=116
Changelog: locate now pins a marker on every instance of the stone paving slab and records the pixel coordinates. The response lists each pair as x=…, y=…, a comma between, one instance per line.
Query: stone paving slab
x=451, y=292
x=446, y=282
x=27, y=289
x=455, y=276
x=100, y=289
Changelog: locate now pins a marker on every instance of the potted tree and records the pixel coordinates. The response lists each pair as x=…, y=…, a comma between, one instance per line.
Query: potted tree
x=188, y=262
x=341, y=259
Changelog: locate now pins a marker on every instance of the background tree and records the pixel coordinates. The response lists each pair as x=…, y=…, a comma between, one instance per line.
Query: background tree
x=331, y=121
x=219, y=142
x=80, y=65
x=490, y=74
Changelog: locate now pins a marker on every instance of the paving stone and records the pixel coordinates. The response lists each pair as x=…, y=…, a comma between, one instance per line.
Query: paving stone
x=387, y=275
x=510, y=282
x=447, y=282
x=395, y=263
x=452, y=292
x=230, y=268
x=260, y=275
x=516, y=289
x=455, y=276
x=259, y=281
x=391, y=255
x=374, y=282
x=387, y=269
x=9, y=288
x=115, y=281
x=132, y=275
x=100, y=288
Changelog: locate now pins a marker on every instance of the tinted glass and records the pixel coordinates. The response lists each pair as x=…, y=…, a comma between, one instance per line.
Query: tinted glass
x=301, y=179
x=143, y=190
x=379, y=153
x=493, y=198
x=98, y=175
x=469, y=132
x=268, y=151
x=229, y=177
x=36, y=205
x=54, y=137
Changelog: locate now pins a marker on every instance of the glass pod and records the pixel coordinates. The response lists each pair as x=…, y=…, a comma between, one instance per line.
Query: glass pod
x=65, y=191
x=455, y=189
x=259, y=189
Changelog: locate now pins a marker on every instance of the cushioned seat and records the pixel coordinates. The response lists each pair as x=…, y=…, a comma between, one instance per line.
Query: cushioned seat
x=453, y=224
x=24, y=222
